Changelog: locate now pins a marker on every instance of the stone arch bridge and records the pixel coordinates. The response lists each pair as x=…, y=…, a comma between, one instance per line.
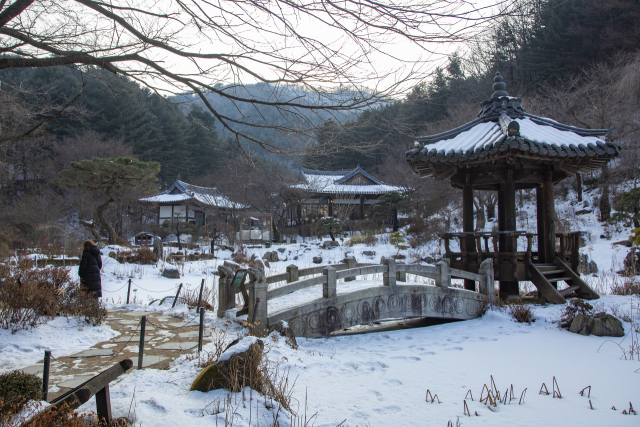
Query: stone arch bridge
x=313, y=316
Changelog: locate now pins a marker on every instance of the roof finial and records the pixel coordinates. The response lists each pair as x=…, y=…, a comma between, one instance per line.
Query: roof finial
x=499, y=86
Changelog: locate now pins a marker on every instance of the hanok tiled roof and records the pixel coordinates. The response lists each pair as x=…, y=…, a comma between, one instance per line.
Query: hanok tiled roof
x=181, y=191
x=504, y=128
x=334, y=182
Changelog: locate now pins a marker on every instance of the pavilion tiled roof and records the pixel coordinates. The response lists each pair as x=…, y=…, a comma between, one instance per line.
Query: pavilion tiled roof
x=334, y=182
x=181, y=191
x=504, y=128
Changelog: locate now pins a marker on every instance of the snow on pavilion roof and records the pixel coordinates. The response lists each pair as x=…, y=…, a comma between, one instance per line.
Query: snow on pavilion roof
x=181, y=192
x=504, y=126
x=338, y=182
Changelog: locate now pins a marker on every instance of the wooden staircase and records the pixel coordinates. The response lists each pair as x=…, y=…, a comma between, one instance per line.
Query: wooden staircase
x=546, y=277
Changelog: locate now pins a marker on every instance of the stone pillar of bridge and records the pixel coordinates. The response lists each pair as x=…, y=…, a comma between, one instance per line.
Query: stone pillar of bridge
x=226, y=295
x=487, y=287
x=258, y=313
x=329, y=288
x=443, y=280
x=389, y=276
x=294, y=274
x=351, y=263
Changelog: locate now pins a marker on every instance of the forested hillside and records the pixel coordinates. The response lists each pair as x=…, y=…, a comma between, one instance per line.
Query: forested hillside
x=184, y=142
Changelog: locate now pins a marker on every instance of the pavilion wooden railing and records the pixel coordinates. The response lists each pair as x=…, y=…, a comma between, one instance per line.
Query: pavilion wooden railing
x=508, y=265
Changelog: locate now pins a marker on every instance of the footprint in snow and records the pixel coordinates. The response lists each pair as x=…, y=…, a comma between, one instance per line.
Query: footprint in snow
x=455, y=348
x=394, y=382
x=376, y=394
x=414, y=359
x=428, y=353
x=383, y=365
x=154, y=406
x=388, y=410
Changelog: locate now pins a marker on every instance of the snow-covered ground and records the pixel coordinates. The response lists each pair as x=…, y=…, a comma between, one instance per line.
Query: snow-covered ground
x=61, y=336
x=381, y=379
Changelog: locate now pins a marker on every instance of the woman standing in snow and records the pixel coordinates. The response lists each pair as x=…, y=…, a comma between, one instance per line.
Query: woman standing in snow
x=89, y=271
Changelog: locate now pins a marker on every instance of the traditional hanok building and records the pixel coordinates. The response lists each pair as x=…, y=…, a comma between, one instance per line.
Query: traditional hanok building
x=503, y=150
x=191, y=203
x=344, y=194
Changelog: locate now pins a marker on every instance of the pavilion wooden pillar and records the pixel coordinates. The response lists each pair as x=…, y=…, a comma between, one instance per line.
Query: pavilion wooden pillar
x=330, y=208
x=361, y=207
x=507, y=223
x=467, y=227
x=541, y=229
x=549, y=218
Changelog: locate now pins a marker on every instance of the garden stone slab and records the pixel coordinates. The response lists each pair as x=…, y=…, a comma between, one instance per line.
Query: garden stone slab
x=93, y=352
x=138, y=313
x=146, y=327
x=128, y=322
x=177, y=346
x=194, y=334
x=148, y=361
x=33, y=369
x=76, y=381
x=134, y=339
x=178, y=324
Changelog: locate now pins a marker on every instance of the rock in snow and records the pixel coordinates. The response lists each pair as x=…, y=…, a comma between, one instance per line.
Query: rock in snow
x=601, y=325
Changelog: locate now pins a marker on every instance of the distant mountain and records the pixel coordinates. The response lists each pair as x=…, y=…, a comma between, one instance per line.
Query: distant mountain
x=280, y=119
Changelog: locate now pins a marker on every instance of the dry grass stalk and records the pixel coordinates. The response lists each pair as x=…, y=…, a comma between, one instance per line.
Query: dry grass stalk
x=466, y=409
x=556, y=393
x=589, y=392
x=469, y=393
x=545, y=389
x=524, y=393
x=521, y=313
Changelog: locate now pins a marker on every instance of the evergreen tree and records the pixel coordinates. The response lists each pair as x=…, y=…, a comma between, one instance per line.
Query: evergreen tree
x=108, y=176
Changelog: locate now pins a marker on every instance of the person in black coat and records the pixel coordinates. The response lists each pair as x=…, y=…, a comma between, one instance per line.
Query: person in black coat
x=89, y=271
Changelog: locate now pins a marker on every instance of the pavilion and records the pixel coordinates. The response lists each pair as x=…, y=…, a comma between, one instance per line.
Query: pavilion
x=192, y=203
x=346, y=194
x=503, y=150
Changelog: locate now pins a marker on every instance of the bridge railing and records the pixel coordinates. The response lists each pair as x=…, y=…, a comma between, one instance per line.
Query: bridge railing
x=259, y=293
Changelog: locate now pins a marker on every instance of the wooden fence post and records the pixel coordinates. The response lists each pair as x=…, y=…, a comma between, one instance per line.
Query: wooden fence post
x=143, y=323
x=351, y=263
x=488, y=287
x=389, y=276
x=294, y=275
x=201, y=329
x=444, y=279
x=329, y=287
x=200, y=296
x=128, y=291
x=175, y=300
x=45, y=375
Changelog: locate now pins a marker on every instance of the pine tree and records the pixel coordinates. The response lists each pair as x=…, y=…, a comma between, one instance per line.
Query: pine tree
x=108, y=176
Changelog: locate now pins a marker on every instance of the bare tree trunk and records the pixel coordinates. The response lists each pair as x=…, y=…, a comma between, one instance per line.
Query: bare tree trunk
x=605, y=205
x=92, y=227
x=579, y=186
x=395, y=219
x=112, y=232
x=481, y=220
x=100, y=211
